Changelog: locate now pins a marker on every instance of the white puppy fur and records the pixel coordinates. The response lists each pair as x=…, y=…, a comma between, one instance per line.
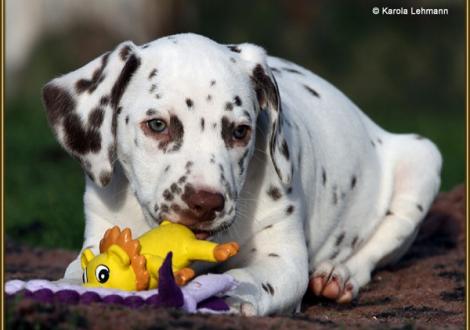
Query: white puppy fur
x=313, y=189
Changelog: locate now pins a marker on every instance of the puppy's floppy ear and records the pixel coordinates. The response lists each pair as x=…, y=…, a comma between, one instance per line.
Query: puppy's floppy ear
x=267, y=93
x=82, y=108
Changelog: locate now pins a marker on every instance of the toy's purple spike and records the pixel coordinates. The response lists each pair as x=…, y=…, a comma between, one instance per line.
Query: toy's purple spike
x=169, y=293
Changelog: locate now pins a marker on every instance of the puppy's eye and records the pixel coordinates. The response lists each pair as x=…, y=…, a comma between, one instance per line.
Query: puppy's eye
x=240, y=132
x=102, y=273
x=157, y=125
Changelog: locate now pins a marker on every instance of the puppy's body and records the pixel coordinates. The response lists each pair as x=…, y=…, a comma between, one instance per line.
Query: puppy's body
x=318, y=192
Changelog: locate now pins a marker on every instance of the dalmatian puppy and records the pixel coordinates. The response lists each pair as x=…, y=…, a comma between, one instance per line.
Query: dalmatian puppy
x=238, y=145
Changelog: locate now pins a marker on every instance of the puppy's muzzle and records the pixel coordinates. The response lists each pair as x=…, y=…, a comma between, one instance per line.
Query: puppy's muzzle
x=203, y=204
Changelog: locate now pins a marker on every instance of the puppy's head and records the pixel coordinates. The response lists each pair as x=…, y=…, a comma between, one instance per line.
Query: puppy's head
x=179, y=114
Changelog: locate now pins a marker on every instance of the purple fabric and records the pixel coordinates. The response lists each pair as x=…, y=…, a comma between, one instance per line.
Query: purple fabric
x=198, y=295
x=134, y=301
x=67, y=296
x=213, y=303
x=44, y=295
x=113, y=299
x=90, y=297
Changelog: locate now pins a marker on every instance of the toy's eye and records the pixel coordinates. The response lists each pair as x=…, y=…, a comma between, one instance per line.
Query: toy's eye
x=84, y=277
x=102, y=273
x=157, y=125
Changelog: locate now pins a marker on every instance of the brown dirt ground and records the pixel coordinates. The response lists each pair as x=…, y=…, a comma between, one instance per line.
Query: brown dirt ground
x=426, y=289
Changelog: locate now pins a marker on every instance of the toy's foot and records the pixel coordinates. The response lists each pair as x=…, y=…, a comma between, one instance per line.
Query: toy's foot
x=333, y=282
x=183, y=276
x=224, y=251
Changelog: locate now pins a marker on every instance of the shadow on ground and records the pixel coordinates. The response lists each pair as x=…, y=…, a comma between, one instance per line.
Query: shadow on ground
x=426, y=289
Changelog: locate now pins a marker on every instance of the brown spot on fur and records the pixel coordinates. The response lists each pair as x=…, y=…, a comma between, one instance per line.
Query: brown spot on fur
x=335, y=195
x=175, y=136
x=95, y=118
x=97, y=77
x=274, y=193
x=203, y=123
x=273, y=255
x=77, y=138
x=419, y=207
x=152, y=73
x=189, y=103
x=227, y=130
x=124, y=52
x=228, y=106
x=312, y=91
x=123, y=80
x=175, y=189
x=285, y=149
x=354, y=241
x=323, y=176
x=292, y=70
x=265, y=89
x=104, y=101
x=290, y=209
x=340, y=239
x=234, y=48
x=58, y=102
x=168, y=195
x=237, y=101
x=353, y=181
x=105, y=177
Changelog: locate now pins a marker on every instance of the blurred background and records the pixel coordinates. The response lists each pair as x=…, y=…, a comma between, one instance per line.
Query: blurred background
x=406, y=72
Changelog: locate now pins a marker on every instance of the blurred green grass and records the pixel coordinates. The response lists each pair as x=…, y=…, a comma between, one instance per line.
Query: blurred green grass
x=43, y=185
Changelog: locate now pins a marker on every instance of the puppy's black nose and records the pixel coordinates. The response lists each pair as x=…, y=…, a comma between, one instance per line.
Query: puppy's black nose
x=204, y=203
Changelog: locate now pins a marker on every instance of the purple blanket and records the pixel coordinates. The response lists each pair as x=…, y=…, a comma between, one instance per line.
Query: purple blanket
x=201, y=294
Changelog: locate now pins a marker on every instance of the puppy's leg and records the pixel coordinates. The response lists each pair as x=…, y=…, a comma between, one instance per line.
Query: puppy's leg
x=416, y=183
x=94, y=230
x=272, y=273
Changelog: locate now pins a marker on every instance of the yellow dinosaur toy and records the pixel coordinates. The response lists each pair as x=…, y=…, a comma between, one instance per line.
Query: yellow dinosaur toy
x=127, y=264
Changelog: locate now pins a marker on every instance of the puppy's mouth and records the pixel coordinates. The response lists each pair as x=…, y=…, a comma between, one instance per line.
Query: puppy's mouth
x=201, y=230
